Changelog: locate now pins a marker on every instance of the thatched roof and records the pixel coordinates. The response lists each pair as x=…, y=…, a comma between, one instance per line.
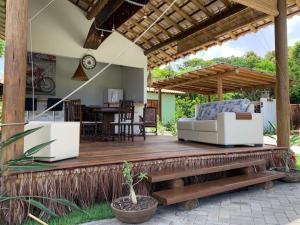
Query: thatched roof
x=189, y=26
x=204, y=80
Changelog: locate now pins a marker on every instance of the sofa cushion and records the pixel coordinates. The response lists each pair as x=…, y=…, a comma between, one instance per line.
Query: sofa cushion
x=209, y=111
x=205, y=125
x=239, y=105
x=185, y=124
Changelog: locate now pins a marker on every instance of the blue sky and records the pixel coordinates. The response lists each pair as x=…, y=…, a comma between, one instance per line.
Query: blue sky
x=260, y=42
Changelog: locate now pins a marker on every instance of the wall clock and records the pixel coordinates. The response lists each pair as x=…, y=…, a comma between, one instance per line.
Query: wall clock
x=88, y=62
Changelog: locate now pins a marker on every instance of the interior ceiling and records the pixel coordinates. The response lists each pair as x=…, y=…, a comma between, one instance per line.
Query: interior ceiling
x=189, y=26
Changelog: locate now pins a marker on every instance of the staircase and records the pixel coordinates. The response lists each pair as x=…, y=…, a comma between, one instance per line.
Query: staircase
x=244, y=174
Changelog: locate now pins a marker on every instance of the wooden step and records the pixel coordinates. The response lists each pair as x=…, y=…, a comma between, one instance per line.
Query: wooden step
x=186, y=193
x=179, y=173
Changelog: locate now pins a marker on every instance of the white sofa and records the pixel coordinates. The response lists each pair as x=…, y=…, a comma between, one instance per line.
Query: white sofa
x=65, y=134
x=228, y=125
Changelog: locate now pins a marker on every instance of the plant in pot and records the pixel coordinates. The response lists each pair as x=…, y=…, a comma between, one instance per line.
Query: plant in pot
x=286, y=160
x=133, y=208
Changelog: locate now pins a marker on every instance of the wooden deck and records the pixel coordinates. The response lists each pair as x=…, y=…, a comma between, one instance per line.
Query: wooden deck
x=154, y=148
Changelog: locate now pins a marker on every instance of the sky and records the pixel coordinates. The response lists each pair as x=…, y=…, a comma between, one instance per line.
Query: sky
x=259, y=42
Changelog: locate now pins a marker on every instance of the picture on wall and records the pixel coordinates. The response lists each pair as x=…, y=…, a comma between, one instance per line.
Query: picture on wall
x=43, y=70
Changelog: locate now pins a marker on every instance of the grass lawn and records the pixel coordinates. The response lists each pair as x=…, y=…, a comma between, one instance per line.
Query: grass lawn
x=298, y=161
x=96, y=212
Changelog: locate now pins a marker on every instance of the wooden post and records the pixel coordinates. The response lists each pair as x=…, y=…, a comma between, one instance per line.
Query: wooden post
x=208, y=98
x=282, y=98
x=14, y=74
x=159, y=105
x=220, y=88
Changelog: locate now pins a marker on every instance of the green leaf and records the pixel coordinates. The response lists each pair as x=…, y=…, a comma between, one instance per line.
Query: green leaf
x=40, y=206
x=37, y=148
x=143, y=176
x=29, y=166
x=17, y=136
x=67, y=203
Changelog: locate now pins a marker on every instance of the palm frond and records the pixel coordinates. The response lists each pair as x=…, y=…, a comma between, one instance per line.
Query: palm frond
x=16, y=137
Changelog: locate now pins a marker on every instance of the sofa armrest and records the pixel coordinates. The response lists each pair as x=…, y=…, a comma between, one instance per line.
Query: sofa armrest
x=186, y=119
x=243, y=116
x=232, y=130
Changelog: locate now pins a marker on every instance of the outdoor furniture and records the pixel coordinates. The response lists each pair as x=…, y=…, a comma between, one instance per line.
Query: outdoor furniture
x=74, y=111
x=147, y=120
x=108, y=116
x=65, y=135
x=150, y=118
x=226, y=123
x=125, y=121
x=53, y=101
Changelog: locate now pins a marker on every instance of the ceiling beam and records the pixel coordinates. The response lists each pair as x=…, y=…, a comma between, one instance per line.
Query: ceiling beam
x=113, y=15
x=297, y=2
x=268, y=7
x=96, y=9
x=210, y=21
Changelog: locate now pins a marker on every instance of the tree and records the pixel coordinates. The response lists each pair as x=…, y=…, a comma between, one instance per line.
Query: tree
x=294, y=72
x=2, y=48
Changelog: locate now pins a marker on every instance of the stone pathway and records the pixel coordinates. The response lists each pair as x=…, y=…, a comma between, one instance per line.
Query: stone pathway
x=280, y=205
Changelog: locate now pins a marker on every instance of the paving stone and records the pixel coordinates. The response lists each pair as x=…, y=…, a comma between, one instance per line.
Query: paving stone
x=278, y=206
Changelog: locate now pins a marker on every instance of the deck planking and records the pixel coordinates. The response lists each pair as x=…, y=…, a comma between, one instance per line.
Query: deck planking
x=154, y=148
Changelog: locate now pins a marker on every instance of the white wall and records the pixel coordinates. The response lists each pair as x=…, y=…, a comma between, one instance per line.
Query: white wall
x=268, y=109
x=130, y=79
x=62, y=28
x=133, y=84
x=92, y=94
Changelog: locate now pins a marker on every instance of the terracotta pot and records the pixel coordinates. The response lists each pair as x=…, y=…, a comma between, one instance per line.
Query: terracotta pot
x=291, y=177
x=134, y=217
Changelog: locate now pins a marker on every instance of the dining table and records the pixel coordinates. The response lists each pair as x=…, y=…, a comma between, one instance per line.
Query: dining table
x=108, y=117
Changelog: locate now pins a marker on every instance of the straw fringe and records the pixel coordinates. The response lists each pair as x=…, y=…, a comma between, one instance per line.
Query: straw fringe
x=85, y=186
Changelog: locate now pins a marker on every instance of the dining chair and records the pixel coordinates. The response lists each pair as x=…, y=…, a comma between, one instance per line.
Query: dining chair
x=149, y=119
x=88, y=123
x=125, y=121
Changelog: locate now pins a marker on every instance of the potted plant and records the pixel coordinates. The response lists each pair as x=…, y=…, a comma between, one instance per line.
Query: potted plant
x=287, y=159
x=133, y=208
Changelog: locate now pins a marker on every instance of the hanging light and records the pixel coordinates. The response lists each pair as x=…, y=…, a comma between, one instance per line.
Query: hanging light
x=79, y=74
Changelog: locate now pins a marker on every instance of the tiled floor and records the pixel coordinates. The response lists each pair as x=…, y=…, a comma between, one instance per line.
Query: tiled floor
x=280, y=205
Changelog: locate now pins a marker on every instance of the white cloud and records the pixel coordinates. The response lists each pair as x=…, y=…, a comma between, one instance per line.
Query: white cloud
x=224, y=50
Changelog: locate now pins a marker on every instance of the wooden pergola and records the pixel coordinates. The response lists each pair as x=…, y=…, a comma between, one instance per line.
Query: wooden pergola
x=218, y=79
x=190, y=25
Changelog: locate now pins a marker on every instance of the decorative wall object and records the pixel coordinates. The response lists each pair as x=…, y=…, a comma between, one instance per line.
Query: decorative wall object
x=79, y=74
x=44, y=72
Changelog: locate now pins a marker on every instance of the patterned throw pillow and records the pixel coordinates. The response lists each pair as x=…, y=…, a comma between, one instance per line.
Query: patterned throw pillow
x=209, y=111
x=239, y=105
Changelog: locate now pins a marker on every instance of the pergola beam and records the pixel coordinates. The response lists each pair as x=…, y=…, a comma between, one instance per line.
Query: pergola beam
x=203, y=78
x=268, y=7
x=220, y=88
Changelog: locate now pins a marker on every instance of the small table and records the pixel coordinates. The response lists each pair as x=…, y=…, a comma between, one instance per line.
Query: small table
x=108, y=117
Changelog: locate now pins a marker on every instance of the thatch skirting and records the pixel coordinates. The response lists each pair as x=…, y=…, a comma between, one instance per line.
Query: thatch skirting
x=88, y=185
